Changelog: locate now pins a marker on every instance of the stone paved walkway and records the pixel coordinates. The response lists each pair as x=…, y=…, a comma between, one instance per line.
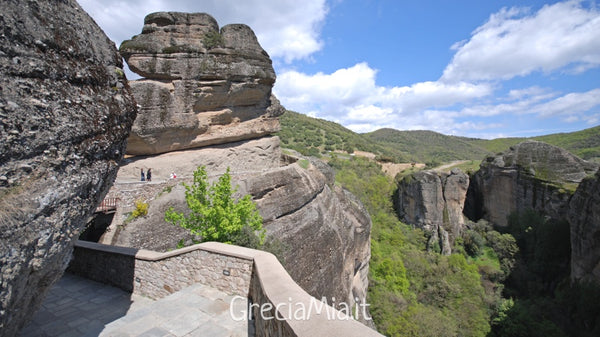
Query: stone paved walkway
x=76, y=306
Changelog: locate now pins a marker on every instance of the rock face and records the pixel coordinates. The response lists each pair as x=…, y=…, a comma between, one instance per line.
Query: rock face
x=324, y=231
x=434, y=201
x=152, y=232
x=531, y=175
x=202, y=86
x=65, y=113
x=584, y=217
x=206, y=100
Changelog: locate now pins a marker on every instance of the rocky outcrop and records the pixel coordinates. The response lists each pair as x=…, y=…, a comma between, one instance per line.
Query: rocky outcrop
x=245, y=159
x=584, y=217
x=202, y=86
x=65, y=113
x=322, y=230
x=530, y=175
x=434, y=201
x=206, y=100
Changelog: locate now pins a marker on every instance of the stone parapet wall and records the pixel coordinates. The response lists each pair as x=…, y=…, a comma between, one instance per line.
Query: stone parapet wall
x=157, y=275
x=276, y=300
x=102, y=263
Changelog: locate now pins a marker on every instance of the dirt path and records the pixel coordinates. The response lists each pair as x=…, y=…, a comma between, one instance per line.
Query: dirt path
x=445, y=167
x=392, y=169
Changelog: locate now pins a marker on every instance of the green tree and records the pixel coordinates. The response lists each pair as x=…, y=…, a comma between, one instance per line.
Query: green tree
x=216, y=216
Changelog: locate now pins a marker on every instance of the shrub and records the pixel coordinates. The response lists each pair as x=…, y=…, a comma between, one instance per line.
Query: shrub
x=216, y=216
x=212, y=39
x=141, y=209
x=473, y=243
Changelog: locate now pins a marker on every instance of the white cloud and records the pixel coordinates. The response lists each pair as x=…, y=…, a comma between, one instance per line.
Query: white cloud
x=570, y=104
x=516, y=43
x=563, y=37
x=593, y=119
x=287, y=29
x=352, y=97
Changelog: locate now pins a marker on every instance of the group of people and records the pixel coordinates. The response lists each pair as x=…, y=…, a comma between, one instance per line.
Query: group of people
x=148, y=175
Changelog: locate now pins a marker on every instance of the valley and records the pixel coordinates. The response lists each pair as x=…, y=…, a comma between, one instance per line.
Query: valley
x=515, y=280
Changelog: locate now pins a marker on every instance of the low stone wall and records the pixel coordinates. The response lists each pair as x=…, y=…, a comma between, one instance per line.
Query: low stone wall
x=157, y=275
x=280, y=306
x=106, y=264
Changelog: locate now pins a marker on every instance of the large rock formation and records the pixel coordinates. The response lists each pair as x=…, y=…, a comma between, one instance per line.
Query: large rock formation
x=584, y=217
x=201, y=86
x=323, y=231
x=216, y=94
x=434, y=201
x=65, y=113
x=531, y=175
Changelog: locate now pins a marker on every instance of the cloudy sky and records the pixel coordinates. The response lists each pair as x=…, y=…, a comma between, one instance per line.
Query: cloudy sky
x=465, y=67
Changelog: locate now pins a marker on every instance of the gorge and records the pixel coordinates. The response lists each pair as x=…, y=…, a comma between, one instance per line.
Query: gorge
x=435, y=251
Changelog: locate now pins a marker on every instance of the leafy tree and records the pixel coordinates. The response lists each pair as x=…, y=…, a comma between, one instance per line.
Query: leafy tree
x=473, y=243
x=215, y=215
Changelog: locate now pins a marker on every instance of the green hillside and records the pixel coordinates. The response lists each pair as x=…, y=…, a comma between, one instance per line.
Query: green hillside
x=429, y=146
x=315, y=137
x=584, y=143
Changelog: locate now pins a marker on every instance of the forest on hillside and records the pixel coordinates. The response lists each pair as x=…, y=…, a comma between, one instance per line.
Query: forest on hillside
x=511, y=281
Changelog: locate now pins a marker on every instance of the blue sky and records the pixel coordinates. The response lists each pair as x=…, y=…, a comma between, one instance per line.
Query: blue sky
x=466, y=67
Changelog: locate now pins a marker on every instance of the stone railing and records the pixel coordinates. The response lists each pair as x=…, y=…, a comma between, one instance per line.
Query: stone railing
x=157, y=275
x=280, y=306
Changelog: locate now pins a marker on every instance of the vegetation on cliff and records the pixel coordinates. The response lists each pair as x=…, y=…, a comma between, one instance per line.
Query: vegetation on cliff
x=541, y=299
x=414, y=292
x=215, y=215
x=511, y=281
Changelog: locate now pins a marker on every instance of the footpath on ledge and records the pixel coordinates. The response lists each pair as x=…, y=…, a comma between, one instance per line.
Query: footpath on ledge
x=76, y=306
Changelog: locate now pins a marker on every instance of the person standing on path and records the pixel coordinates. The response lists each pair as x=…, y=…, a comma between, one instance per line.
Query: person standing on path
x=143, y=177
x=149, y=175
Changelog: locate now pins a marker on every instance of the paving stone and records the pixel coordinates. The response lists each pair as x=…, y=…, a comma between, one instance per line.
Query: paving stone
x=185, y=323
x=79, y=307
x=81, y=321
x=212, y=329
x=155, y=332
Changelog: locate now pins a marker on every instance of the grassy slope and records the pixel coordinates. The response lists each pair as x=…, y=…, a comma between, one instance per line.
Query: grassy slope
x=429, y=146
x=312, y=136
x=584, y=143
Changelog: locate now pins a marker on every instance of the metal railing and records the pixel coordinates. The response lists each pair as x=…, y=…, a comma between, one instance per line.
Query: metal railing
x=108, y=205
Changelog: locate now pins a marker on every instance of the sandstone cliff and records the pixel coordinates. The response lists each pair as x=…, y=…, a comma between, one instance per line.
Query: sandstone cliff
x=434, y=201
x=65, y=112
x=217, y=94
x=532, y=175
x=324, y=231
x=202, y=86
x=584, y=217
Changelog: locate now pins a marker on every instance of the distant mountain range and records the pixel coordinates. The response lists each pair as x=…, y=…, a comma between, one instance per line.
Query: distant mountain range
x=313, y=136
